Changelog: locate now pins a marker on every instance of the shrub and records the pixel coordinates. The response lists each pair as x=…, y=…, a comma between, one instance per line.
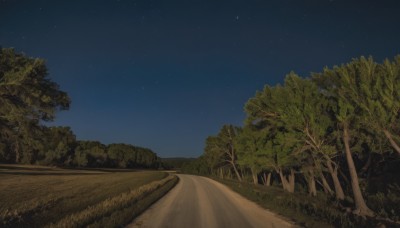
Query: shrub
x=387, y=205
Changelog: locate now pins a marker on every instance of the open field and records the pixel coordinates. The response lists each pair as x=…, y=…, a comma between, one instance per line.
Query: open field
x=37, y=196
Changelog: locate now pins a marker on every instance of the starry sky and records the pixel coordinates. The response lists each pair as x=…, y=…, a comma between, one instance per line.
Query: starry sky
x=166, y=74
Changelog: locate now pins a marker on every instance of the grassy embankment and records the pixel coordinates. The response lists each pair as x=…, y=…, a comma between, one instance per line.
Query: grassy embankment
x=33, y=196
x=306, y=211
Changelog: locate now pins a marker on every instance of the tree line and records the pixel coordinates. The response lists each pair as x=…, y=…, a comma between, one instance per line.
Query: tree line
x=28, y=99
x=336, y=131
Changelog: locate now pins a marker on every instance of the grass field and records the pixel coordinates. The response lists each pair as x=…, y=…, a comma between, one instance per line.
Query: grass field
x=34, y=196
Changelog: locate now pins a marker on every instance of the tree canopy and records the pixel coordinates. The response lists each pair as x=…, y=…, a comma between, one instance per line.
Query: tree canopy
x=29, y=99
x=324, y=130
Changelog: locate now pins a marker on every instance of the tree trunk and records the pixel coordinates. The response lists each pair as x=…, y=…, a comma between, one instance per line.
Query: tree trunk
x=17, y=153
x=312, y=189
x=254, y=175
x=285, y=183
x=236, y=172
x=264, y=178
x=391, y=140
x=325, y=185
x=291, y=181
x=361, y=207
x=334, y=174
x=367, y=165
x=268, y=183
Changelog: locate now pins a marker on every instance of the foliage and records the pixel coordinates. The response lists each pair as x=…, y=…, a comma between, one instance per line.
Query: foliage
x=336, y=131
x=28, y=98
x=387, y=204
x=198, y=166
x=128, y=156
x=304, y=210
x=174, y=163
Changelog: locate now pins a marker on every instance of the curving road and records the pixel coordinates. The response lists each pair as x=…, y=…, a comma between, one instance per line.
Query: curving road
x=201, y=202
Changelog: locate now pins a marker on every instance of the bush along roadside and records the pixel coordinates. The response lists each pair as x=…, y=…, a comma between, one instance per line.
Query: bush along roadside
x=119, y=210
x=306, y=211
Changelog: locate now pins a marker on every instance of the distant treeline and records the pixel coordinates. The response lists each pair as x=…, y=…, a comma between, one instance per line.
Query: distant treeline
x=175, y=163
x=28, y=98
x=335, y=133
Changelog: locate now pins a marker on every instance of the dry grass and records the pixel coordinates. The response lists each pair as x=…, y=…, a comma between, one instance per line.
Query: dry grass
x=109, y=206
x=128, y=214
x=35, y=196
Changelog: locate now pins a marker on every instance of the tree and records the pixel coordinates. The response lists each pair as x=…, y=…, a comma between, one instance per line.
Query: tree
x=227, y=137
x=268, y=108
x=375, y=89
x=220, y=149
x=340, y=84
x=128, y=156
x=198, y=166
x=58, y=146
x=307, y=113
x=94, y=152
x=27, y=96
x=80, y=158
x=249, y=145
x=214, y=156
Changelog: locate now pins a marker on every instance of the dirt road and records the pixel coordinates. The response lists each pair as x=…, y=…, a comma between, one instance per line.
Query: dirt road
x=201, y=202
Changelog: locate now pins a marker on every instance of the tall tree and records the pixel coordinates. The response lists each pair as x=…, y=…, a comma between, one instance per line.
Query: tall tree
x=221, y=150
x=27, y=96
x=340, y=83
x=268, y=108
x=375, y=89
x=227, y=137
x=250, y=144
x=59, y=145
x=214, y=156
x=93, y=152
x=307, y=113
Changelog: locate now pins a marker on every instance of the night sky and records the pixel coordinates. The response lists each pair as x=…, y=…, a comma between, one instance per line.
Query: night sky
x=166, y=74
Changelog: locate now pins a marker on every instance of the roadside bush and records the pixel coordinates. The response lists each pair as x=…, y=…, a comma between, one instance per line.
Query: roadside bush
x=320, y=211
x=387, y=205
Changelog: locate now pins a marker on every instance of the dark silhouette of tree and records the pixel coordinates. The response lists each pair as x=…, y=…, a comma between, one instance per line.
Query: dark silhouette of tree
x=27, y=96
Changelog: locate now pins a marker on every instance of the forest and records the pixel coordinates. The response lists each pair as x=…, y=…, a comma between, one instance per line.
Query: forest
x=334, y=133
x=29, y=99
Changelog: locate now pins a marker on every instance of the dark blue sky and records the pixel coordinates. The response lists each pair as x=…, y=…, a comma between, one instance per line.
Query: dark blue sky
x=166, y=74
